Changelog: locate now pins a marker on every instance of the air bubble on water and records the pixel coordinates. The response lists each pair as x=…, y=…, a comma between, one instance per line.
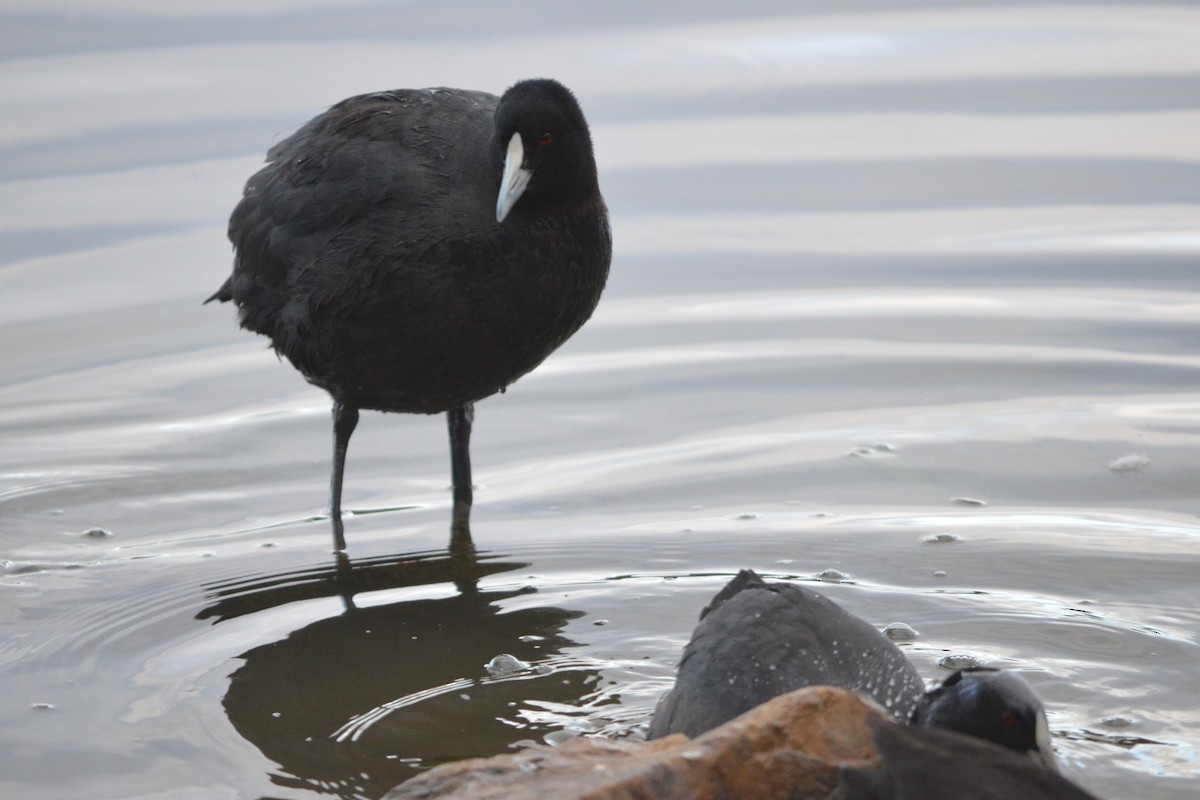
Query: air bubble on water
x=600, y=622
x=943, y=538
x=967, y=501
x=747, y=516
x=900, y=632
x=530, y=637
x=97, y=533
x=1130, y=462
x=961, y=661
x=832, y=576
x=505, y=664
x=939, y=573
x=276, y=714
x=42, y=706
x=863, y=451
x=1117, y=722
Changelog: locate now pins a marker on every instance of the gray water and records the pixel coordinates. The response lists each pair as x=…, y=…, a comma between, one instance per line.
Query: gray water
x=904, y=296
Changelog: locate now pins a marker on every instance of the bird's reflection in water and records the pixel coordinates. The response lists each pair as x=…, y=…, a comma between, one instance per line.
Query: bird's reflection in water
x=352, y=704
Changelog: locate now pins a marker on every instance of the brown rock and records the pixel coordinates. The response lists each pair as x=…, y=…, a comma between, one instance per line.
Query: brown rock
x=789, y=748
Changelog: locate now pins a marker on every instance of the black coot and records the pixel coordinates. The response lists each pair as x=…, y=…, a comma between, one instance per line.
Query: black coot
x=419, y=250
x=758, y=640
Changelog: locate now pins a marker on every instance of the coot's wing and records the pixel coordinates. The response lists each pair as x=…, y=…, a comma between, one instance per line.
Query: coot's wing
x=371, y=162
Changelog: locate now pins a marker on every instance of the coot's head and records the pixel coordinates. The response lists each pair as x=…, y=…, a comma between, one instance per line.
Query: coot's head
x=543, y=139
x=995, y=705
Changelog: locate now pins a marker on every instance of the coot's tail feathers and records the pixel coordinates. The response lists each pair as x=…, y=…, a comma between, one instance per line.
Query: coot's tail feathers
x=745, y=579
x=224, y=294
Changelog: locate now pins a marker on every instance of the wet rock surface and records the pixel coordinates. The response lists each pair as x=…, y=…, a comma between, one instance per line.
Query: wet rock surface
x=812, y=744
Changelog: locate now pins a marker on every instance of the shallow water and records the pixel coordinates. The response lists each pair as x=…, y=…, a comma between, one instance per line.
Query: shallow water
x=906, y=294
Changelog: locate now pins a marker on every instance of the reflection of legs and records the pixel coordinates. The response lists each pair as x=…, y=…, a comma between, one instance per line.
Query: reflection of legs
x=345, y=418
x=343, y=579
x=459, y=420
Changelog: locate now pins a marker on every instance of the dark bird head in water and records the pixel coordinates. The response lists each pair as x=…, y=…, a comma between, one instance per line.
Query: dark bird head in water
x=995, y=705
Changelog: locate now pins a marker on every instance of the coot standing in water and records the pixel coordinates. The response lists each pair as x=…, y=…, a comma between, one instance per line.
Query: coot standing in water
x=420, y=250
x=757, y=640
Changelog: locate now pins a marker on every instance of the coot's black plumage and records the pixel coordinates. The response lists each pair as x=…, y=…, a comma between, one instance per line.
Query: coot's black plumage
x=757, y=640
x=419, y=250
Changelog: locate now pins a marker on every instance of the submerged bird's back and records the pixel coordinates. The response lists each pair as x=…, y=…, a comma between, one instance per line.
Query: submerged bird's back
x=758, y=640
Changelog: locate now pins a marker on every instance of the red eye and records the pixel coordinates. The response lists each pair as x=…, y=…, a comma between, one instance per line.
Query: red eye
x=546, y=139
x=1008, y=718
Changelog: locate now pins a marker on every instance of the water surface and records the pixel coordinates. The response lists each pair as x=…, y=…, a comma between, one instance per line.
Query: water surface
x=904, y=302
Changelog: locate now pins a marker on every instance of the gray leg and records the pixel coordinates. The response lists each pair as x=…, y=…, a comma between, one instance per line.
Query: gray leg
x=345, y=418
x=459, y=420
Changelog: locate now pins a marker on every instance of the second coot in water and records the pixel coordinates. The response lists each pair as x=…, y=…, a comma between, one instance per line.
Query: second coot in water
x=419, y=250
x=757, y=640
